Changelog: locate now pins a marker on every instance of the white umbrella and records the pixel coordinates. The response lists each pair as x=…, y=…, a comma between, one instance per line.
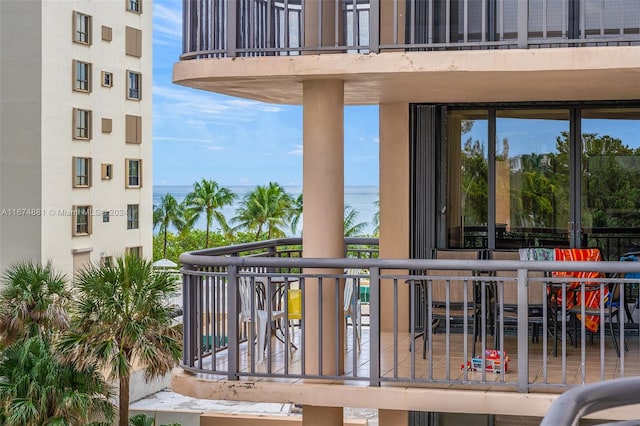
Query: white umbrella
x=164, y=263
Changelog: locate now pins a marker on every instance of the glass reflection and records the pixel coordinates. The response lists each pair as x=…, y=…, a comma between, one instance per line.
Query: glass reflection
x=532, y=178
x=467, y=184
x=610, y=176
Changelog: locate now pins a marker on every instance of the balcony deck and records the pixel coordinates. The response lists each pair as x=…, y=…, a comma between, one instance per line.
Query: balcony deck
x=552, y=373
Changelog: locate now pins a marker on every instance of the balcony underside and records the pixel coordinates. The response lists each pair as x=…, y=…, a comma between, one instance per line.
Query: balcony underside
x=585, y=73
x=459, y=398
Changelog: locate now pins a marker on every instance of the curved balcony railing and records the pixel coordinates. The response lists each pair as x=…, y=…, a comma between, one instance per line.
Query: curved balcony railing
x=558, y=350
x=230, y=28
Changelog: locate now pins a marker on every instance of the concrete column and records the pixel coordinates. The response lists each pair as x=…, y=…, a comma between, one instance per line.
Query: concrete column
x=323, y=232
x=393, y=418
x=321, y=416
x=394, y=205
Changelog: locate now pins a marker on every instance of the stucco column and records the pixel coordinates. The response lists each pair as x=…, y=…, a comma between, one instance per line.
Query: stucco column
x=322, y=416
x=393, y=417
x=394, y=206
x=323, y=230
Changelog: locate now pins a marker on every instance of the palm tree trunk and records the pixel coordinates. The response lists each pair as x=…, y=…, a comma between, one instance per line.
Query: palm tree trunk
x=123, y=401
x=164, y=248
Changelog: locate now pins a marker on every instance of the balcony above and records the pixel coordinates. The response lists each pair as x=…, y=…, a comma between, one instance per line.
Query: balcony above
x=408, y=51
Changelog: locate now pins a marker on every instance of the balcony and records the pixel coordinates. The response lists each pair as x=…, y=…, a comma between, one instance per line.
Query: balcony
x=400, y=356
x=231, y=28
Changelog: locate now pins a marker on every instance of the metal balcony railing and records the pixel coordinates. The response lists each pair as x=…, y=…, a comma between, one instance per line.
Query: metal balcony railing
x=548, y=347
x=230, y=28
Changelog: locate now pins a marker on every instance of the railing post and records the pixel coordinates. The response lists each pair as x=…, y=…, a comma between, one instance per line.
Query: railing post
x=374, y=327
x=374, y=26
x=523, y=331
x=232, y=31
x=523, y=24
x=232, y=320
x=187, y=320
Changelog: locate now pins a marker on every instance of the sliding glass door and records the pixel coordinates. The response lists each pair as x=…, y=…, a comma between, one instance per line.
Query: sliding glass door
x=553, y=176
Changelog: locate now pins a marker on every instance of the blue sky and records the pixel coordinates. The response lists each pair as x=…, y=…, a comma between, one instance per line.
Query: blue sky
x=237, y=141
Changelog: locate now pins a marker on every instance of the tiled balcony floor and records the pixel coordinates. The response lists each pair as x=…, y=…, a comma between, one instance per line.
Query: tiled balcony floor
x=446, y=370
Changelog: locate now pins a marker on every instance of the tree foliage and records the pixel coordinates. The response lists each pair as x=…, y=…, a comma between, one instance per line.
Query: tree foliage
x=208, y=198
x=123, y=315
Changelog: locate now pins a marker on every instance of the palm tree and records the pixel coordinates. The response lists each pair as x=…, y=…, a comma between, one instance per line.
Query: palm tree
x=351, y=228
x=168, y=213
x=122, y=316
x=376, y=218
x=296, y=213
x=208, y=197
x=33, y=301
x=268, y=206
x=37, y=389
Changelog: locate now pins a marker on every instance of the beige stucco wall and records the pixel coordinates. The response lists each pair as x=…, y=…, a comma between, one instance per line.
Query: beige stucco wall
x=36, y=132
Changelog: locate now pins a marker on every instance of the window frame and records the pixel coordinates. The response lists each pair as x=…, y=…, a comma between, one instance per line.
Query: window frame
x=76, y=224
x=77, y=178
x=82, y=132
x=78, y=82
x=133, y=216
x=134, y=6
x=133, y=251
x=133, y=129
x=134, y=78
x=129, y=176
x=82, y=35
x=106, y=171
x=106, y=79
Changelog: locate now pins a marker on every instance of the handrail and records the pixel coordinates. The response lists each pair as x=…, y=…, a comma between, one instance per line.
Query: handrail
x=569, y=407
x=232, y=28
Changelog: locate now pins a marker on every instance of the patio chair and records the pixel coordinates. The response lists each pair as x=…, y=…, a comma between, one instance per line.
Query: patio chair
x=252, y=306
x=352, y=306
x=456, y=300
x=508, y=311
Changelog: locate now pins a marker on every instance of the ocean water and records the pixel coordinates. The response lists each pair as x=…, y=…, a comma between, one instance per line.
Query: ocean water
x=361, y=198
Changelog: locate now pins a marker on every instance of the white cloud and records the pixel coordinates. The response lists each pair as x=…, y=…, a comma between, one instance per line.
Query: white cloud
x=296, y=151
x=245, y=181
x=183, y=104
x=376, y=140
x=212, y=147
x=167, y=22
x=179, y=139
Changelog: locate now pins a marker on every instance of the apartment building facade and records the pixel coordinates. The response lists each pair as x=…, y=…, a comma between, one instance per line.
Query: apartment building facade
x=75, y=131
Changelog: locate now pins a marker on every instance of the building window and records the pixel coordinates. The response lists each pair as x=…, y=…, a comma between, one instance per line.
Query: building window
x=107, y=171
x=81, y=172
x=133, y=251
x=134, y=173
x=134, y=6
x=132, y=216
x=81, y=216
x=107, y=33
x=107, y=125
x=133, y=129
x=81, y=76
x=107, y=79
x=106, y=260
x=133, y=42
x=105, y=217
x=81, y=124
x=134, y=80
x=82, y=28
